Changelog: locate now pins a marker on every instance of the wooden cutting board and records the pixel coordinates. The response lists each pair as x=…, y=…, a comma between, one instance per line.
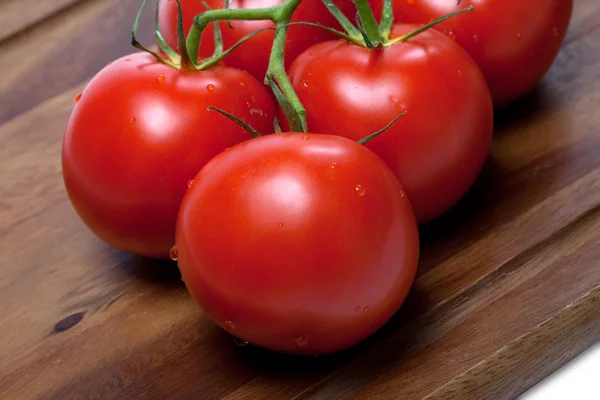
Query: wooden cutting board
x=508, y=288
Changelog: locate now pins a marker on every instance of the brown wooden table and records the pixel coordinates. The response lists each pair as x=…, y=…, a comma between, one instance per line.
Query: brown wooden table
x=508, y=288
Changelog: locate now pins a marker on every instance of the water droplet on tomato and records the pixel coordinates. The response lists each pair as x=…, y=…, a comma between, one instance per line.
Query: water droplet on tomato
x=475, y=38
x=305, y=137
x=305, y=84
x=334, y=165
x=210, y=87
x=357, y=309
x=173, y=253
x=366, y=309
x=302, y=341
x=361, y=191
x=411, y=1
x=242, y=84
x=239, y=342
x=519, y=36
x=256, y=111
x=77, y=98
x=191, y=183
x=459, y=73
x=450, y=34
x=280, y=225
x=402, y=194
x=230, y=326
x=132, y=121
x=248, y=104
x=160, y=79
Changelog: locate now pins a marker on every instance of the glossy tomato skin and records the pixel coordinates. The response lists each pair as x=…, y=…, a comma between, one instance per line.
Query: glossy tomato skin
x=298, y=243
x=139, y=133
x=253, y=56
x=514, y=42
x=438, y=148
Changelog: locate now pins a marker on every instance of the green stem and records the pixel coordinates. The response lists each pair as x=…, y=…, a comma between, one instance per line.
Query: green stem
x=201, y=21
x=276, y=74
x=369, y=24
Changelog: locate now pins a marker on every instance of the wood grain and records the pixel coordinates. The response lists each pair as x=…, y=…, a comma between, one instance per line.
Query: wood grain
x=67, y=47
x=508, y=288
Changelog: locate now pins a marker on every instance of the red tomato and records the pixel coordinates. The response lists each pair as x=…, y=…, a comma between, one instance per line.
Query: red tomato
x=253, y=56
x=298, y=243
x=514, y=42
x=139, y=133
x=437, y=149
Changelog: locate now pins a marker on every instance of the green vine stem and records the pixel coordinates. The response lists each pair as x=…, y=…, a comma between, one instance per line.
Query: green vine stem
x=276, y=75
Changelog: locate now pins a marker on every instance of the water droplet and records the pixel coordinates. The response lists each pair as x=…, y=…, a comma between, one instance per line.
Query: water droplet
x=305, y=84
x=411, y=1
x=556, y=32
x=242, y=84
x=305, y=137
x=450, y=34
x=334, y=165
x=210, y=87
x=302, y=341
x=475, y=38
x=401, y=106
x=248, y=104
x=361, y=191
x=519, y=36
x=402, y=194
x=160, y=79
x=459, y=73
x=132, y=121
x=280, y=225
x=77, y=98
x=256, y=111
x=357, y=309
x=230, y=326
x=191, y=183
x=366, y=309
x=239, y=342
x=173, y=253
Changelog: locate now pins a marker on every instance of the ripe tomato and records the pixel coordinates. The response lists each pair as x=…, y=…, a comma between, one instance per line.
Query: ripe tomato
x=514, y=42
x=253, y=56
x=437, y=149
x=298, y=243
x=139, y=133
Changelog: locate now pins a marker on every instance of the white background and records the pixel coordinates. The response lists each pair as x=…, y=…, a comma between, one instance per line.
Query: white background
x=578, y=380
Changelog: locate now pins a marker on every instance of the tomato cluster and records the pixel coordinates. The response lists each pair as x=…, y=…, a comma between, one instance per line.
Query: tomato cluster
x=299, y=242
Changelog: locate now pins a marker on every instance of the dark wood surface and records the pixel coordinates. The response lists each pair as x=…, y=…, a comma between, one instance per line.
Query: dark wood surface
x=508, y=288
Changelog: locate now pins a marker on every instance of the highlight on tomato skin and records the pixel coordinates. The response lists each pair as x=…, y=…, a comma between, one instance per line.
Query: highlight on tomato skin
x=514, y=42
x=139, y=132
x=253, y=56
x=297, y=243
x=438, y=148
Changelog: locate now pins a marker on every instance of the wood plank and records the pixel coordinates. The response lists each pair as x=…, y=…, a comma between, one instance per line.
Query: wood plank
x=65, y=49
x=508, y=288
x=18, y=15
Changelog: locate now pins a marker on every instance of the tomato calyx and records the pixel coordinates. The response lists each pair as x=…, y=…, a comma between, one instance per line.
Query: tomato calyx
x=373, y=135
x=367, y=33
x=253, y=132
x=185, y=61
